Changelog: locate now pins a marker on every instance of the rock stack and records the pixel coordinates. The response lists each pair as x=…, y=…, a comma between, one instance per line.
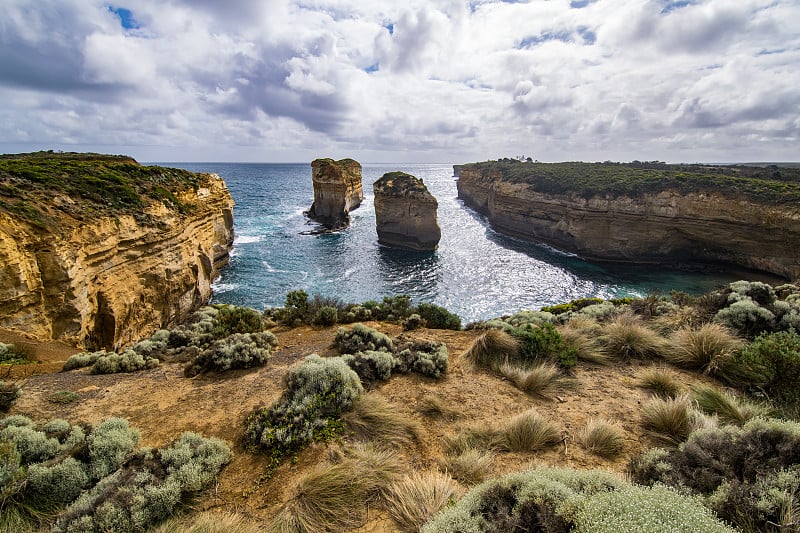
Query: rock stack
x=337, y=191
x=405, y=213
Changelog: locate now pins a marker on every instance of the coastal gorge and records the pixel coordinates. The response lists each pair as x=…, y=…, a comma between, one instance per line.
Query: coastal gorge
x=99, y=251
x=686, y=216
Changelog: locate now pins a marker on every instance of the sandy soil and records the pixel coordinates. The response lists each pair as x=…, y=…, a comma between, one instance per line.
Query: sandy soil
x=162, y=403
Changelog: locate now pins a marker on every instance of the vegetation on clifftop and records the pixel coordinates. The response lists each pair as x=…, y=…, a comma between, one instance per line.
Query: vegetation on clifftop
x=772, y=184
x=90, y=183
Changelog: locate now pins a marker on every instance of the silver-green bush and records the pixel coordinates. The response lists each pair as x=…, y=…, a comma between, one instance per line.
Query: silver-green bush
x=361, y=338
x=240, y=350
x=371, y=366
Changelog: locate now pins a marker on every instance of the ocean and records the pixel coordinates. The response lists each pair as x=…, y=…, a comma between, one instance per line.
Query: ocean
x=476, y=272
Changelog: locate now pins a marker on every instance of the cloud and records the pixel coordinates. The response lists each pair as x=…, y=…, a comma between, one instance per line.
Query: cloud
x=442, y=80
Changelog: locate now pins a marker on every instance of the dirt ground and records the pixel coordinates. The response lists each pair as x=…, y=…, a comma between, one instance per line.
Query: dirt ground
x=162, y=403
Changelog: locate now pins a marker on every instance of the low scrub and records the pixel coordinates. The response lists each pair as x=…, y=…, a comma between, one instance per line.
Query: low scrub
x=748, y=475
x=361, y=338
x=232, y=320
x=538, y=344
x=603, y=438
x=438, y=317
x=103, y=362
x=413, y=500
x=16, y=354
x=10, y=391
x=238, y=350
x=318, y=391
x=98, y=474
x=372, y=366
x=427, y=358
x=559, y=500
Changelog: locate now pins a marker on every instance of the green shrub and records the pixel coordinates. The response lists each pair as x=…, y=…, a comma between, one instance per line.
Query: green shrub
x=317, y=392
x=127, y=361
x=427, y=358
x=371, y=366
x=438, y=317
x=148, y=488
x=239, y=350
x=108, y=445
x=361, y=338
x=231, y=320
x=295, y=307
x=326, y=316
x=63, y=397
x=16, y=354
x=574, y=305
x=772, y=362
x=83, y=359
x=9, y=393
x=735, y=469
x=543, y=343
x=414, y=321
x=746, y=317
x=646, y=510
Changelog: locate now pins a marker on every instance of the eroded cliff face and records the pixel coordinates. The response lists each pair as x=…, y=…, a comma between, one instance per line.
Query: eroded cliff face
x=107, y=281
x=405, y=213
x=337, y=191
x=662, y=228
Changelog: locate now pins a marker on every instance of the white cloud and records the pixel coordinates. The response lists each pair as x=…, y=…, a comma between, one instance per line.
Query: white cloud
x=441, y=80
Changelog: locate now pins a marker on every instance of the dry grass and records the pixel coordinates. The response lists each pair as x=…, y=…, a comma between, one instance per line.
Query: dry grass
x=626, y=338
x=540, y=381
x=581, y=335
x=413, y=500
x=528, y=432
x=670, y=420
x=660, y=381
x=437, y=407
x=725, y=406
x=705, y=349
x=470, y=467
x=478, y=436
x=380, y=467
x=491, y=349
x=603, y=438
x=330, y=498
x=372, y=418
x=209, y=522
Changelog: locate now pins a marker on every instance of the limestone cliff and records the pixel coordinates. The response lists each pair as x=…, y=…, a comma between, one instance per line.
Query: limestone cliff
x=337, y=191
x=683, y=220
x=101, y=252
x=405, y=213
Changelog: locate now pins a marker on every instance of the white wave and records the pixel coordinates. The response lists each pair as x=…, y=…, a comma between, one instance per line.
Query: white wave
x=224, y=287
x=247, y=239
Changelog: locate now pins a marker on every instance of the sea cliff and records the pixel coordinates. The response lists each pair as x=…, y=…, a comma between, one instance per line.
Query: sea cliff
x=99, y=251
x=682, y=216
x=337, y=191
x=405, y=213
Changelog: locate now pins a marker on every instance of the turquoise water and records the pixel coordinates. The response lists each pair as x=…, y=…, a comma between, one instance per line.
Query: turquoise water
x=476, y=272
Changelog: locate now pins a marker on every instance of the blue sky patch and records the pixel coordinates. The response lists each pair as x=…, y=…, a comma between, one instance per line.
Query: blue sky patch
x=563, y=36
x=126, y=19
x=589, y=37
x=672, y=5
x=390, y=27
x=372, y=68
x=580, y=4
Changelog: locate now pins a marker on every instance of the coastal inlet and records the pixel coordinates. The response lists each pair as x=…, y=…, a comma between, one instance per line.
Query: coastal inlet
x=476, y=272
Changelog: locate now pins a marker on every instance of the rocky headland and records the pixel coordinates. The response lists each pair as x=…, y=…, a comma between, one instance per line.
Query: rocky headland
x=99, y=251
x=686, y=216
x=405, y=213
x=337, y=191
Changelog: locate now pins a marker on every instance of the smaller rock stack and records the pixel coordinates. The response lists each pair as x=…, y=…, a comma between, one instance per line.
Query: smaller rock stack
x=405, y=213
x=337, y=191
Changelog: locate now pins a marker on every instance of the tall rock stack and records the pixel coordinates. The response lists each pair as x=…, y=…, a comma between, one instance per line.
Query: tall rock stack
x=405, y=213
x=337, y=191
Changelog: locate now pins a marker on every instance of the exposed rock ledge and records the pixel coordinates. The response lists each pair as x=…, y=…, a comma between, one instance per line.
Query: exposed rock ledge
x=662, y=227
x=337, y=191
x=110, y=279
x=405, y=213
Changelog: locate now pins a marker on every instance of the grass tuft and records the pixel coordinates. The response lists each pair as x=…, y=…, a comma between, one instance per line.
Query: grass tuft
x=437, y=407
x=626, y=338
x=705, y=349
x=491, y=349
x=541, y=380
x=209, y=522
x=372, y=418
x=727, y=407
x=603, y=438
x=413, y=500
x=668, y=419
x=660, y=381
x=578, y=333
x=528, y=432
x=469, y=467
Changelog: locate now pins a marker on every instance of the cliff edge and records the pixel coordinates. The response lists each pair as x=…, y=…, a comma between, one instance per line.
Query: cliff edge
x=663, y=214
x=100, y=251
x=405, y=213
x=337, y=191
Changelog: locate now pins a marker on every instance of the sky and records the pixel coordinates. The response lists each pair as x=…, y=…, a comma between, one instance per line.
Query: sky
x=407, y=81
